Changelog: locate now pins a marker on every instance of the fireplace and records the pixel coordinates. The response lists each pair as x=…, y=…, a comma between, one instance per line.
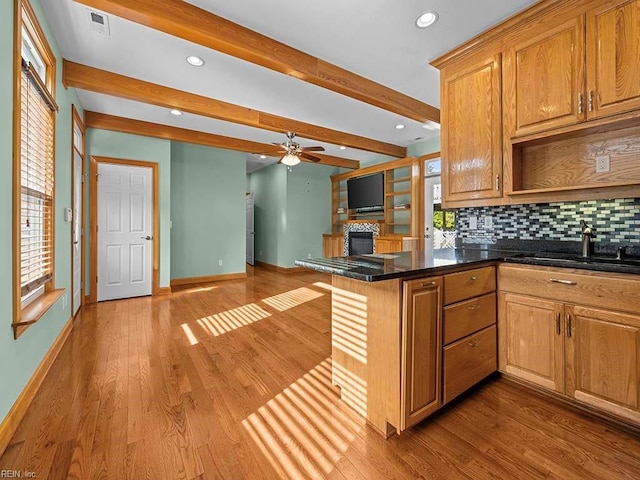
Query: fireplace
x=360, y=243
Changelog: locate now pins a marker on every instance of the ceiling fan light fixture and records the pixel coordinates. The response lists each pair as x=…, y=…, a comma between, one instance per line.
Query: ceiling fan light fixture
x=195, y=61
x=426, y=19
x=290, y=160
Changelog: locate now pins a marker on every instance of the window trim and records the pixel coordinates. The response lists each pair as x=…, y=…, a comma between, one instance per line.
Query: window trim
x=24, y=16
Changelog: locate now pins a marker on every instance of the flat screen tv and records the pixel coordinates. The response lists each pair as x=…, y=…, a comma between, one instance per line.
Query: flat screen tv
x=364, y=192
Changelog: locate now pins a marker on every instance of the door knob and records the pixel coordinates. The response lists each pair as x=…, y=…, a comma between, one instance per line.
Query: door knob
x=148, y=237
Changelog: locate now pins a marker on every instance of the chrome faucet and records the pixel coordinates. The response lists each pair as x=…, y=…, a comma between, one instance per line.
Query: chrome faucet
x=587, y=233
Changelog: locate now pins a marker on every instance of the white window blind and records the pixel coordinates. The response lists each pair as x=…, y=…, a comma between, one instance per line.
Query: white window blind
x=36, y=181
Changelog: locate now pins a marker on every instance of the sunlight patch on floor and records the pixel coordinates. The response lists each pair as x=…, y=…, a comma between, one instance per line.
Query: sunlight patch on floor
x=229, y=320
x=323, y=285
x=189, y=334
x=349, y=324
x=293, y=298
x=301, y=431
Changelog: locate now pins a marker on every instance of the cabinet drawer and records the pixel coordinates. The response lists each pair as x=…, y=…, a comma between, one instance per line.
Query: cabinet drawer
x=468, y=361
x=615, y=291
x=467, y=317
x=468, y=284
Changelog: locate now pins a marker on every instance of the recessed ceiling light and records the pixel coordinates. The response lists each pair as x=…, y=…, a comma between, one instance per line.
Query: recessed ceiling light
x=431, y=126
x=176, y=112
x=399, y=126
x=263, y=157
x=195, y=61
x=426, y=19
x=343, y=147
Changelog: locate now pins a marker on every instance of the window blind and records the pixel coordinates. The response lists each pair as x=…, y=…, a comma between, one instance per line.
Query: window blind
x=36, y=181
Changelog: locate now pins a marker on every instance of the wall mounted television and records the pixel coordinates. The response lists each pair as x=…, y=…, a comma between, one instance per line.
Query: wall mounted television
x=366, y=192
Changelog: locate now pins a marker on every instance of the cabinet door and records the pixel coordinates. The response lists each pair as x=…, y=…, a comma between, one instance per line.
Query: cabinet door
x=472, y=131
x=547, y=74
x=421, y=349
x=531, y=340
x=613, y=54
x=387, y=245
x=603, y=360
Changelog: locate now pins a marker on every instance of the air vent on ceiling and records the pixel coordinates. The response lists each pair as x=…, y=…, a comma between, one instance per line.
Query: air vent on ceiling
x=98, y=23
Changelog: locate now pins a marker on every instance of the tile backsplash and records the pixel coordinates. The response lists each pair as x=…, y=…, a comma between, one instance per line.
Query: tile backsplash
x=614, y=221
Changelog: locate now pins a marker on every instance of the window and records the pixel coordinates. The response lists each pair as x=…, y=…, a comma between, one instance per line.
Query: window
x=34, y=169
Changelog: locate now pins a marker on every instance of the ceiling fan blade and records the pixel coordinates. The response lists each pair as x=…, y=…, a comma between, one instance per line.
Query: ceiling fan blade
x=313, y=158
x=313, y=149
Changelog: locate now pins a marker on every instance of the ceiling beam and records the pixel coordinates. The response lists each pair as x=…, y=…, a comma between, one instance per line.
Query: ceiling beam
x=181, y=19
x=102, y=81
x=149, y=129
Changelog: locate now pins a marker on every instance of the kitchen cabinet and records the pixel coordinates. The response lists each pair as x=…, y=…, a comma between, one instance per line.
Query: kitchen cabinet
x=421, y=346
x=546, y=72
x=573, y=332
x=603, y=359
x=332, y=244
x=613, y=49
x=533, y=346
x=469, y=332
x=579, y=70
x=471, y=131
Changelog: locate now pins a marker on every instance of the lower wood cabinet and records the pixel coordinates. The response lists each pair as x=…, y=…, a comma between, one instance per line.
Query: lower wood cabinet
x=332, y=245
x=577, y=349
x=468, y=361
x=421, y=346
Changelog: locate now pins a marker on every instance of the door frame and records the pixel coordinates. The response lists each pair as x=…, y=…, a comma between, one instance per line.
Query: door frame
x=155, y=268
x=76, y=119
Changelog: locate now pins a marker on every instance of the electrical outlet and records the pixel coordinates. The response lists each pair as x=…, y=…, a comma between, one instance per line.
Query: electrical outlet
x=473, y=222
x=603, y=164
x=488, y=221
x=308, y=255
x=220, y=262
x=260, y=253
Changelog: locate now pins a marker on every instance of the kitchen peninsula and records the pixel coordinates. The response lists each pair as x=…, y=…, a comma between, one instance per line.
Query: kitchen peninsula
x=410, y=330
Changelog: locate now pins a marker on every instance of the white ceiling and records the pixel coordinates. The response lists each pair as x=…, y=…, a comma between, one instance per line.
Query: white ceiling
x=375, y=39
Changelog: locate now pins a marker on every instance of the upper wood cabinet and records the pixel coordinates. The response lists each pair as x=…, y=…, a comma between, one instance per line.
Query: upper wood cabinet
x=582, y=69
x=546, y=73
x=613, y=56
x=472, y=130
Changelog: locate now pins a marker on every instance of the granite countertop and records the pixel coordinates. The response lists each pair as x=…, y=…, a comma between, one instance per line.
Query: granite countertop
x=376, y=267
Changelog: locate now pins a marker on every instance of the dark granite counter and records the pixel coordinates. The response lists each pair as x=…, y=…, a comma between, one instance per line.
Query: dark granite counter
x=376, y=267
x=385, y=266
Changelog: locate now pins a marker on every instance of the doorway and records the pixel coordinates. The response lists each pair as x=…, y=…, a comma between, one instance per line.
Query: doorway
x=250, y=229
x=439, y=224
x=124, y=220
x=77, y=213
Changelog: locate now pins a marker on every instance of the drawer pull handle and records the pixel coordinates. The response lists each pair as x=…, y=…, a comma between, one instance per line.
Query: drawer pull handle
x=473, y=343
x=564, y=282
x=474, y=307
x=474, y=278
x=428, y=284
x=558, y=323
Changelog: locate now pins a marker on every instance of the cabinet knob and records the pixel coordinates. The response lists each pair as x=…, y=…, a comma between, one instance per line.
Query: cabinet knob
x=474, y=278
x=474, y=306
x=473, y=343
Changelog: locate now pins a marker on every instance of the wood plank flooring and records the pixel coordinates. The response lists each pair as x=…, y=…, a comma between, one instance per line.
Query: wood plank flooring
x=232, y=381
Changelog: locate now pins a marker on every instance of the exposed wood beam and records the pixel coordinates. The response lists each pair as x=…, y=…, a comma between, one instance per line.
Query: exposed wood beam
x=149, y=129
x=102, y=81
x=181, y=19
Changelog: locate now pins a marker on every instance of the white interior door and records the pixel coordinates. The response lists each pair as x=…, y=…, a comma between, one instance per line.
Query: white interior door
x=76, y=232
x=250, y=230
x=125, y=229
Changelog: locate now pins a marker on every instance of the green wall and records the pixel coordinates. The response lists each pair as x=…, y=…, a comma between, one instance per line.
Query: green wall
x=103, y=143
x=19, y=358
x=292, y=211
x=208, y=211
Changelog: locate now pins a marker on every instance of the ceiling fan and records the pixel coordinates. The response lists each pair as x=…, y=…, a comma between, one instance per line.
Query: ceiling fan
x=292, y=151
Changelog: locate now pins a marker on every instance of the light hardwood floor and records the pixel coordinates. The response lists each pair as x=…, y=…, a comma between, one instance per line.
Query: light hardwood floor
x=232, y=380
